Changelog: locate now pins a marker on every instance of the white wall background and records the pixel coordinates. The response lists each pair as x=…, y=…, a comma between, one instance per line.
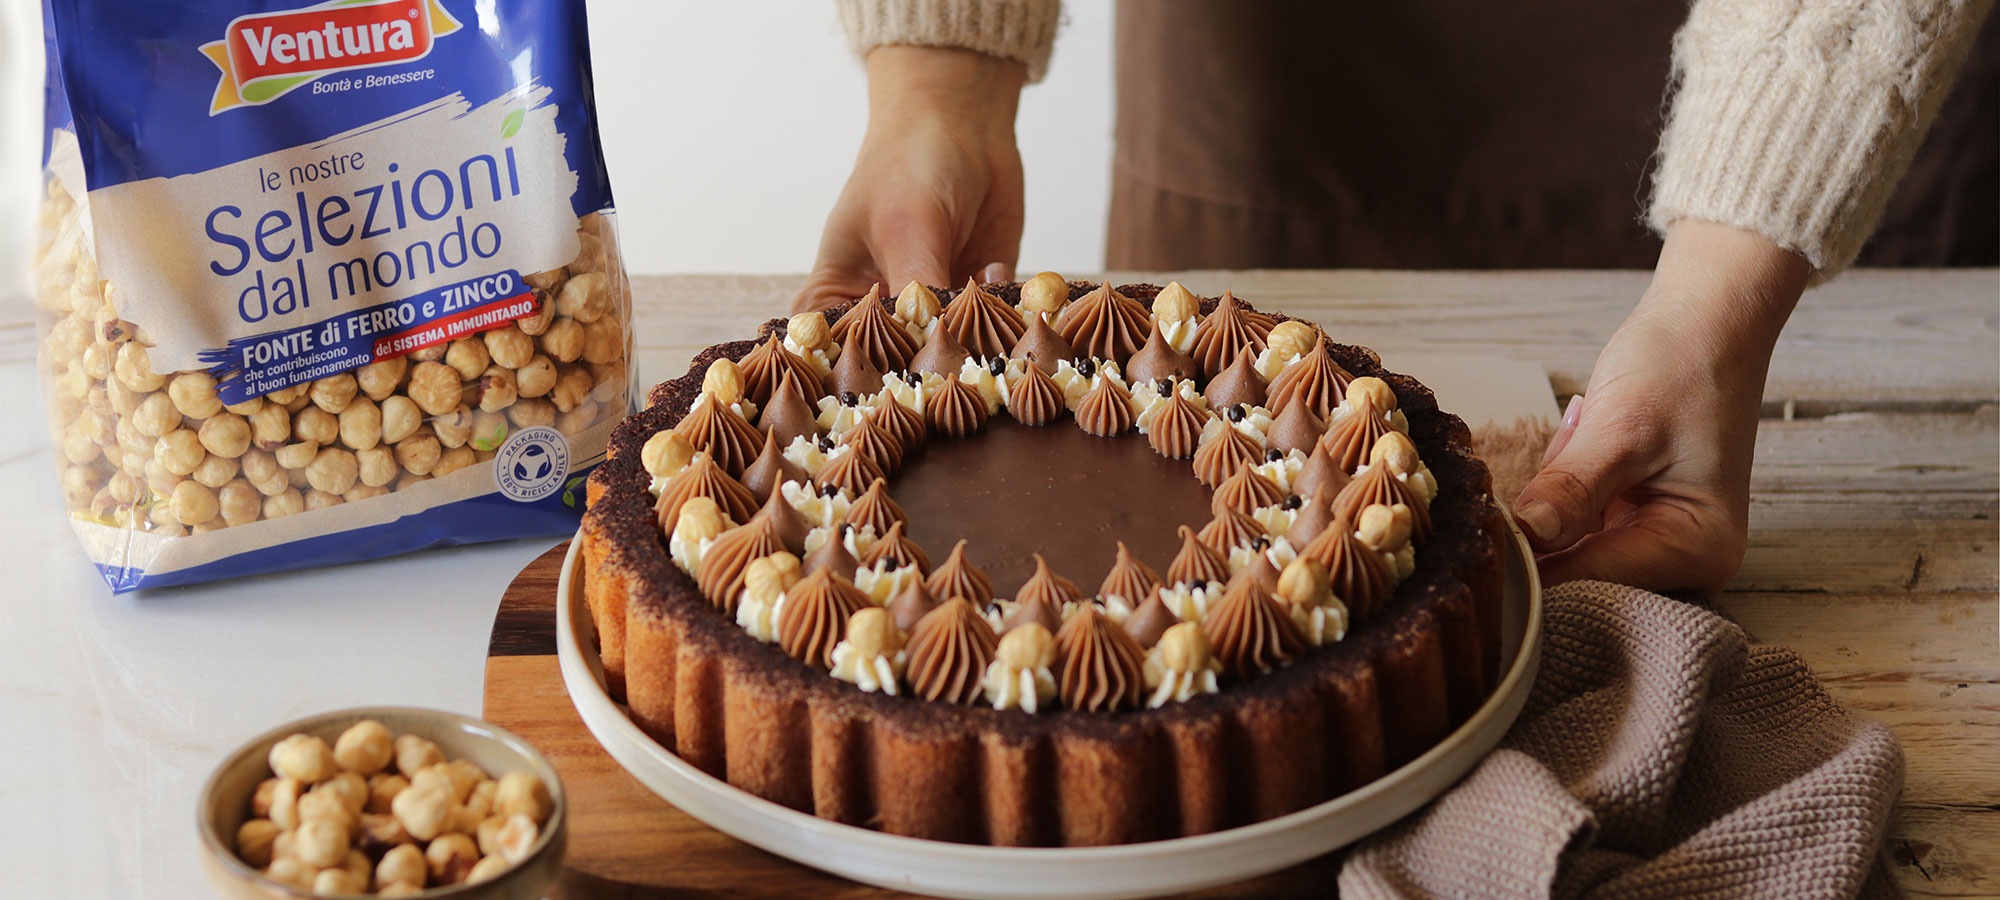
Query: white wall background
x=729, y=127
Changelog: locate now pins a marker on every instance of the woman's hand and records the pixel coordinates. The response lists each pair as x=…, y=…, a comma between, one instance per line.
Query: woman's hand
x=1647, y=483
x=936, y=191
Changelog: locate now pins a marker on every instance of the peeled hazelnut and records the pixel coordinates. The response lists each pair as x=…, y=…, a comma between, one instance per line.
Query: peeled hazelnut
x=1304, y=583
x=1046, y=292
x=320, y=842
x=358, y=864
x=260, y=800
x=666, y=454
x=1373, y=391
x=338, y=881
x=399, y=889
x=488, y=835
x=522, y=793
x=487, y=869
x=1290, y=339
x=382, y=789
x=366, y=747
x=723, y=381
x=1395, y=450
x=450, y=858
x=350, y=787
x=404, y=863
x=288, y=871
x=464, y=775
x=1385, y=529
x=872, y=632
x=1184, y=648
x=809, y=330
x=917, y=303
x=767, y=577
x=254, y=839
x=1175, y=304
x=480, y=801
x=304, y=757
x=326, y=806
x=516, y=837
x=1027, y=646
x=414, y=753
x=424, y=809
x=381, y=832
x=699, y=519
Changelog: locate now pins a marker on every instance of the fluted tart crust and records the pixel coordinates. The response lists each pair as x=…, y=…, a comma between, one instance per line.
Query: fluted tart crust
x=1340, y=716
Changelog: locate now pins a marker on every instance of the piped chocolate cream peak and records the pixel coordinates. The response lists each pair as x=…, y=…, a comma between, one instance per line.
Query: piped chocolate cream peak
x=1104, y=324
x=1296, y=427
x=911, y=604
x=1237, y=384
x=949, y=650
x=1175, y=431
x=1223, y=455
x=786, y=522
x=703, y=478
x=833, y=555
x=981, y=322
x=764, y=367
x=1042, y=346
x=1035, y=398
x=1105, y=410
x=1315, y=378
x=1320, y=474
x=1150, y=620
x=875, y=508
x=854, y=373
x=1252, y=632
x=1046, y=585
x=1197, y=563
x=941, y=355
x=956, y=409
x=815, y=616
x=958, y=578
x=898, y=551
x=1158, y=359
x=1129, y=578
x=1099, y=667
x=868, y=331
x=1228, y=335
x=788, y=413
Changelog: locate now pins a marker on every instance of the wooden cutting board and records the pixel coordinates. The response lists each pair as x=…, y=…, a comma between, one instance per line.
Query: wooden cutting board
x=625, y=842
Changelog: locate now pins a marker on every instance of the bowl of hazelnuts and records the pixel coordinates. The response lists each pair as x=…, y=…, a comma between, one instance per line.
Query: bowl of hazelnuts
x=383, y=802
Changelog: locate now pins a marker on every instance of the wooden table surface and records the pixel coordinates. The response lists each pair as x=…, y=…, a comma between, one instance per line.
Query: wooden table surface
x=1875, y=498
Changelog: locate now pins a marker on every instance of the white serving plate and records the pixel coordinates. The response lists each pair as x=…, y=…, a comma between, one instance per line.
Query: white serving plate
x=1007, y=873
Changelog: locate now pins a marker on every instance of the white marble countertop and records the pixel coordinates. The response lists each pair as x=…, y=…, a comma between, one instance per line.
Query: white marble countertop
x=113, y=709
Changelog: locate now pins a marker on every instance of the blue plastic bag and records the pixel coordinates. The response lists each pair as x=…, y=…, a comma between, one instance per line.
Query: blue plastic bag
x=323, y=283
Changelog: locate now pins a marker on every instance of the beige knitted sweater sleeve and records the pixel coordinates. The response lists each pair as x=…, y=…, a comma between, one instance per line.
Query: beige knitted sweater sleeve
x=1020, y=30
x=1791, y=118
x=1796, y=118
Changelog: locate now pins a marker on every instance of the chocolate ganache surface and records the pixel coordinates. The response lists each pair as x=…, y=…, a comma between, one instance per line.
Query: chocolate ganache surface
x=1015, y=490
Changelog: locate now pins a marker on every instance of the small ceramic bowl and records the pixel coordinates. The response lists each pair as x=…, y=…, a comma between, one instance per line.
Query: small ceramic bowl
x=225, y=800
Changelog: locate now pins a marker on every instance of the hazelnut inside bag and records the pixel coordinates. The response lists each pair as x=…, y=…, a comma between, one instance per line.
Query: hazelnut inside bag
x=323, y=283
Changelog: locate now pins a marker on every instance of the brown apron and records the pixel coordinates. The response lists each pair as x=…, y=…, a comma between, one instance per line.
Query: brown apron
x=1449, y=134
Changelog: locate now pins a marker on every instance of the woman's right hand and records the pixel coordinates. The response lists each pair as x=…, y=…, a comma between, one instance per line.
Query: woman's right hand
x=936, y=191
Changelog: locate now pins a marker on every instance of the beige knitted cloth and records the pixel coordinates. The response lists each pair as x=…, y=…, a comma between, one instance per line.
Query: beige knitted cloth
x=1661, y=754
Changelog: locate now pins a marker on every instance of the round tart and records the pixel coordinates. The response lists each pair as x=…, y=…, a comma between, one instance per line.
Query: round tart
x=1051, y=573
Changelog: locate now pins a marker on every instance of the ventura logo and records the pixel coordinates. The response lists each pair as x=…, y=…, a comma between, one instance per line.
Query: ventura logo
x=265, y=56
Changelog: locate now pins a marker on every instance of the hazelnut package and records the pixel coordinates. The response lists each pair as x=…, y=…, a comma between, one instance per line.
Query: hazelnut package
x=321, y=283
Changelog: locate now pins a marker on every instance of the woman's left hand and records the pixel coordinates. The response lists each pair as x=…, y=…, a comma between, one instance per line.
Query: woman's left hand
x=1647, y=483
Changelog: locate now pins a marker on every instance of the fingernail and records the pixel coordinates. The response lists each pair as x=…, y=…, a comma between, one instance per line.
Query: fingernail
x=1540, y=519
x=1570, y=412
x=996, y=272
